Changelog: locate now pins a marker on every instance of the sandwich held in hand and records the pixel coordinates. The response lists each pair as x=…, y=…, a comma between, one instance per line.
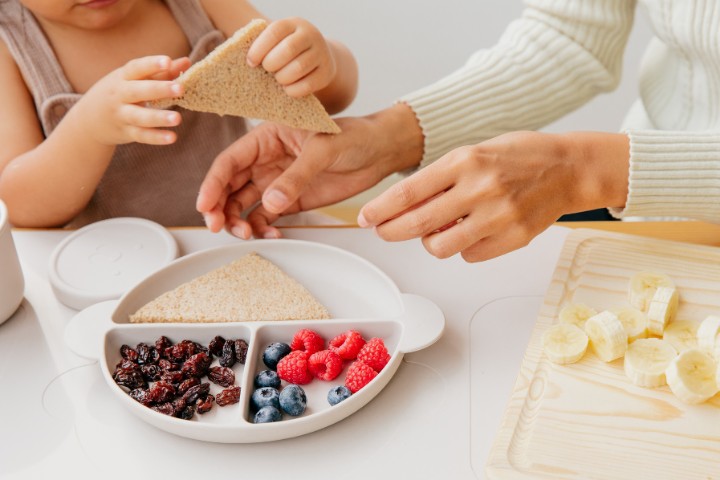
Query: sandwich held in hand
x=249, y=289
x=225, y=84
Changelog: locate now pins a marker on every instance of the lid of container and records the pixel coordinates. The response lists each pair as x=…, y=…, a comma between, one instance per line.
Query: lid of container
x=103, y=260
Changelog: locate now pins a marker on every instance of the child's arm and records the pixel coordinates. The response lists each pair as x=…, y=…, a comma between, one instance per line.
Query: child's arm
x=302, y=60
x=46, y=182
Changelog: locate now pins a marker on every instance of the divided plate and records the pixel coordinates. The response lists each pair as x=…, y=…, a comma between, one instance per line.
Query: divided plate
x=587, y=420
x=357, y=294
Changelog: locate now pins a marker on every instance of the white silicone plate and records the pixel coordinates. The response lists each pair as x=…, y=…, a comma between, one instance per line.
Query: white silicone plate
x=358, y=295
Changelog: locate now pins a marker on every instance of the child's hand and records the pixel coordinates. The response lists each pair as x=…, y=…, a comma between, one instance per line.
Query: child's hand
x=113, y=111
x=297, y=54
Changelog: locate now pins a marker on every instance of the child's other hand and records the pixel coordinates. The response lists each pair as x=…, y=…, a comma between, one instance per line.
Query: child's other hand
x=297, y=54
x=113, y=111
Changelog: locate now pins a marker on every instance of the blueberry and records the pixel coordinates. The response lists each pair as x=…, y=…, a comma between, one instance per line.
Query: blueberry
x=274, y=353
x=338, y=394
x=267, y=378
x=293, y=400
x=267, y=414
x=264, y=397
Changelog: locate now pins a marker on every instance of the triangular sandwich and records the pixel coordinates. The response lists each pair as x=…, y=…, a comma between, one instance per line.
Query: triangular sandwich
x=250, y=288
x=223, y=83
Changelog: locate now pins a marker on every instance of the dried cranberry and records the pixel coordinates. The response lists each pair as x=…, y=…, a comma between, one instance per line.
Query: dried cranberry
x=132, y=380
x=141, y=395
x=204, y=404
x=228, y=396
x=227, y=359
x=216, y=345
x=174, y=376
x=241, y=349
x=161, y=344
x=186, y=384
x=147, y=354
x=197, y=365
x=162, y=392
x=186, y=413
x=195, y=392
x=222, y=376
x=128, y=353
x=151, y=372
x=166, y=408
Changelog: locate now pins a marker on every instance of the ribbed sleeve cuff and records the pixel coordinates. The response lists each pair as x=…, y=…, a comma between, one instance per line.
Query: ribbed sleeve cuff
x=673, y=174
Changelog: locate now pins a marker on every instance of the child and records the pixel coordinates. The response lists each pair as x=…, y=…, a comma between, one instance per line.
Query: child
x=79, y=143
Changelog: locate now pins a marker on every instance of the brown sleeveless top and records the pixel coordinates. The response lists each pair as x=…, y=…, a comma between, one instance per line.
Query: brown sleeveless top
x=159, y=183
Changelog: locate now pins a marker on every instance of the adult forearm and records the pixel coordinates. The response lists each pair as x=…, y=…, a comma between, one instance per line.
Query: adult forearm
x=49, y=185
x=600, y=164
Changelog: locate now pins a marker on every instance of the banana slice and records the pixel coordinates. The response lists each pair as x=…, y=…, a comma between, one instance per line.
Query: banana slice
x=692, y=376
x=634, y=322
x=646, y=360
x=607, y=336
x=708, y=335
x=576, y=314
x=643, y=286
x=662, y=309
x=681, y=334
x=564, y=343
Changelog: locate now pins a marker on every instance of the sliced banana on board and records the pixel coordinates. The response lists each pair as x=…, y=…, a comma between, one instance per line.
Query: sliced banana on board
x=608, y=338
x=576, y=314
x=643, y=285
x=662, y=309
x=708, y=335
x=682, y=334
x=646, y=360
x=564, y=343
x=692, y=376
x=634, y=322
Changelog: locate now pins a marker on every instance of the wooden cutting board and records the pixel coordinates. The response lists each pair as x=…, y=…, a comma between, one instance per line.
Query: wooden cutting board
x=587, y=420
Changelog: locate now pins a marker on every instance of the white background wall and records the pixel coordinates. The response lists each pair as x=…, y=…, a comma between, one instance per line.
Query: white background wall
x=402, y=45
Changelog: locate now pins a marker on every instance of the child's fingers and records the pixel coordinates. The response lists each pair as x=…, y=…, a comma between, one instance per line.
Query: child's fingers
x=267, y=40
x=298, y=67
x=145, y=67
x=141, y=91
x=311, y=83
x=148, y=117
x=177, y=67
x=150, y=136
x=285, y=52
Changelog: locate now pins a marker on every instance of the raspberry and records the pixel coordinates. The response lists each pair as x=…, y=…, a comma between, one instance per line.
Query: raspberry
x=325, y=364
x=308, y=341
x=347, y=344
x=293, y=368
x=374, y=354
x=358, y=375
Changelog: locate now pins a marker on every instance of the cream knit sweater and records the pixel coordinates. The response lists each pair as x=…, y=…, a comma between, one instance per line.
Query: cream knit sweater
x=560, y=54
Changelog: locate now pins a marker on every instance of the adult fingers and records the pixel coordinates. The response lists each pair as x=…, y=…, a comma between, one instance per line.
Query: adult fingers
x=403, y=196
x=237, y=204
x=261, y=221
x=496, y=245
x=424, y=217
x=227, y=170
x=316, y=155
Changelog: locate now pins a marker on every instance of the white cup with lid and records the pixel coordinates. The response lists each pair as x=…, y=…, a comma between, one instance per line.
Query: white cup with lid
x=12, y=282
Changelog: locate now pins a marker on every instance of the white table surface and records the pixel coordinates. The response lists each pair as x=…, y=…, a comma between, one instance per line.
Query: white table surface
x=437, y=418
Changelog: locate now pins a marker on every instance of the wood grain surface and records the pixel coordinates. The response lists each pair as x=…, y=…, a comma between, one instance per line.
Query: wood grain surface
x=587, y=420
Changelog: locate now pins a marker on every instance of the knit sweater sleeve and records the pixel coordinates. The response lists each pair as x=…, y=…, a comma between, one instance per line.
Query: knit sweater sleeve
x=673, y=173
x=555, y=58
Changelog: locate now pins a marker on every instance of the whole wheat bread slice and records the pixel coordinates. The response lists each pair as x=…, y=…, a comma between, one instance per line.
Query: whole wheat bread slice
x=249, y=289
x=225, y=84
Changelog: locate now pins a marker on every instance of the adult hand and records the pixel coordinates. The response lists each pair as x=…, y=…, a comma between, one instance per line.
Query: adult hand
x=294, y=170
x=488, y=199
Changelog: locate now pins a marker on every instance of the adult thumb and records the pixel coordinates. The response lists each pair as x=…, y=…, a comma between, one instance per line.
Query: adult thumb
x=290, y=185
